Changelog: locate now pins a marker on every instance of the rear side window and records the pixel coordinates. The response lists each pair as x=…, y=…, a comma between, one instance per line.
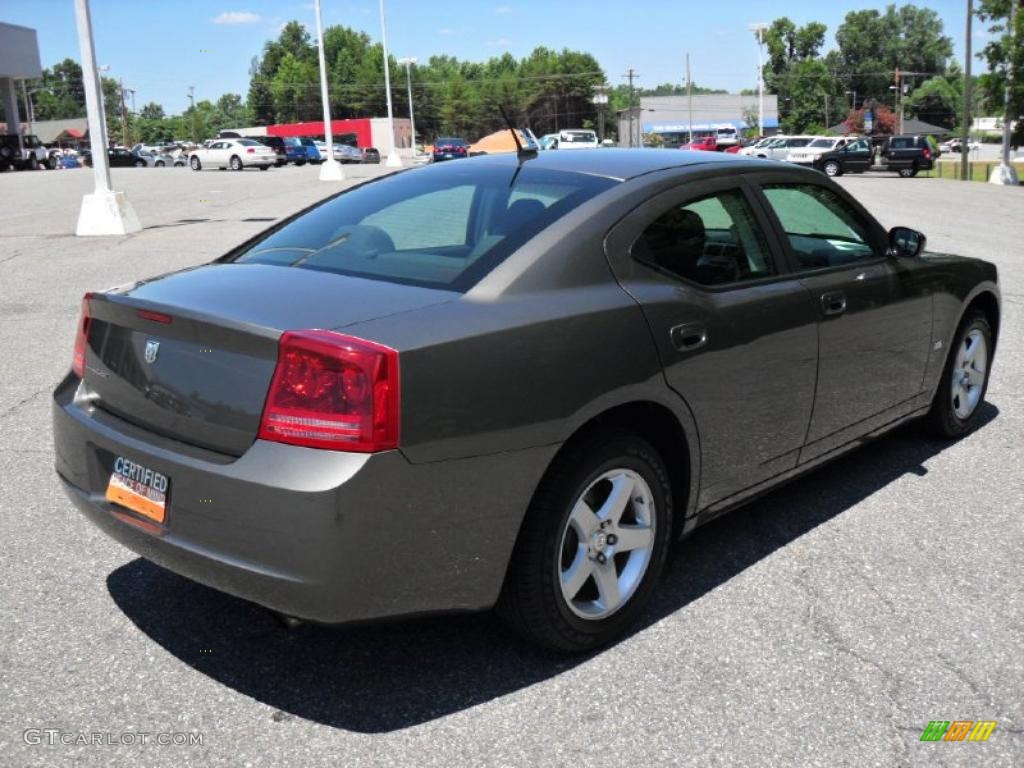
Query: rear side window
x=902, y=143
x=712, y=241
x=438, y=227
x=823, y=231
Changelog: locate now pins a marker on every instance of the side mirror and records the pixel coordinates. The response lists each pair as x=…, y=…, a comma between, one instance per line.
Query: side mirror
x=906, y=242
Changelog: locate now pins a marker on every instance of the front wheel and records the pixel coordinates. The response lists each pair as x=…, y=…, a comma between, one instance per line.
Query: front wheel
x=264, y=167
x=832, y=168
x=956, y=408
x=160, y=164
x=908, y=173
x=33, y=163
x=592, y=545
x=139, y=163
x=196, y=165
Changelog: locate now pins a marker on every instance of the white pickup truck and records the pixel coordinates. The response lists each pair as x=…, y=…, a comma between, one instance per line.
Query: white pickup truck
x=30, y=155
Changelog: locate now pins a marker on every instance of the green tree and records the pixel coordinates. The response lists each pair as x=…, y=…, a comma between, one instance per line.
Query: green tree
x=1005, y=56
x=151, y=111
x=937, y=100
x=872, y=45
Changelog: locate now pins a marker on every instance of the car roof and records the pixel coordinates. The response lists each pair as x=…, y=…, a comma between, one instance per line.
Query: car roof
x=620, y=164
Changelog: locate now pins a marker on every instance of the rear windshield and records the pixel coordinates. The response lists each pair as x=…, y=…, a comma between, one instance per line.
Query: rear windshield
x=451, y=142
x=249, y=143
x=432, y=227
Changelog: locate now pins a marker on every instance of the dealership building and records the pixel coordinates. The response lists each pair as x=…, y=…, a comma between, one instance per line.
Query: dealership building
x=361, y=132
x=671, y=117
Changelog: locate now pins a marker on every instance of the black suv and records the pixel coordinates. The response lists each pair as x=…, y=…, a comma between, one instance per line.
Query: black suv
x=276, y=143
x=909, y=154
x=904, y=154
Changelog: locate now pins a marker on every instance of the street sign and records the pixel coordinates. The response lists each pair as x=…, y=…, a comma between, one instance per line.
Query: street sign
x=869, y=121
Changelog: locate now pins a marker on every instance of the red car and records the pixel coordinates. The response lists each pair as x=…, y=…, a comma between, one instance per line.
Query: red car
x=703, y=144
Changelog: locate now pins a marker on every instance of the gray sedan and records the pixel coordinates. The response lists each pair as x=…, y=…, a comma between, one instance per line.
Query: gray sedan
x=511, y=382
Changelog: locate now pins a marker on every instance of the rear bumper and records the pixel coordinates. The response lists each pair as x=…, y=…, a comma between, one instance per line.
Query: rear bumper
x=322, y=535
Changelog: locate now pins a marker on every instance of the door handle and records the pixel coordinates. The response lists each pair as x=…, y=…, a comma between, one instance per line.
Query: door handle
x=833, y=302
x=688, y=336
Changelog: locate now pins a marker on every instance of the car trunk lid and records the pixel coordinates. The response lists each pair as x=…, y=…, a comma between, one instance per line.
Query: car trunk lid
x=190, y=356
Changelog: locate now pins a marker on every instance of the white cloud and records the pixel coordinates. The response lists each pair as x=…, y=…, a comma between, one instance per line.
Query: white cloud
x=501, y=42
x=503, y=10
x=236, y=17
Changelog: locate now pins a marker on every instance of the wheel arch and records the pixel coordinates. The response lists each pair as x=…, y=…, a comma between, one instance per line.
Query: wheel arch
x=985, y=301
x=671, y=432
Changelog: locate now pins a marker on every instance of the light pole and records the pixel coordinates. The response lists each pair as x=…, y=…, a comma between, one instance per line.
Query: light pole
x=407, y=63
x=330, y=168
x=104, y=212
x=1006, y=173
x=393, y=161
x=853, y=105
x=759, y=30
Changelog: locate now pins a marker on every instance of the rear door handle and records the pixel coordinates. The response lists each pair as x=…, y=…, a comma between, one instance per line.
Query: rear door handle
x=833, y=303
x=688, y=336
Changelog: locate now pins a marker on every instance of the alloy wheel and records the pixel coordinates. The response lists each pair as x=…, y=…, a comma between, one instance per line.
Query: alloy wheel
x=606, y=544
x=968, y=375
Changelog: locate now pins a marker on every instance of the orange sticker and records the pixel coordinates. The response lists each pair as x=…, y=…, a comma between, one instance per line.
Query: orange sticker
x=137, y=497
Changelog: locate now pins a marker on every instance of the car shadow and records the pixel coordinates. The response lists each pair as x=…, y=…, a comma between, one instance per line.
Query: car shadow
x=383, y=677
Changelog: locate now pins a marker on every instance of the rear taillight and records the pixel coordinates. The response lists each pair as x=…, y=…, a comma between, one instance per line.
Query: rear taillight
x=333, y=391
x=250, y=151
x=82, y=337
x=927, y=153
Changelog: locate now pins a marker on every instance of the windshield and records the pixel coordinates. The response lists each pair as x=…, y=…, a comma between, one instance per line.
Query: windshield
x=436, y=228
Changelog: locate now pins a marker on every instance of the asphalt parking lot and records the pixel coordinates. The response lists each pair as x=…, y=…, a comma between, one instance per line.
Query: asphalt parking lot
x=824, y=625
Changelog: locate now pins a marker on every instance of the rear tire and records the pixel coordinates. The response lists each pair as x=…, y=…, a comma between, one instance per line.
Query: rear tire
x=956, y=409
x=832, y=168
x=139, y=163
x=33, y=163
x=908, y=173
x=195, y=164
x=160, y=164
x=574, y=584
x=236, y=163
x=264, y=167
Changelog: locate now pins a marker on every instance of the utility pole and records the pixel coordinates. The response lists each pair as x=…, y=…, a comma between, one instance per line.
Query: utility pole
x=124, y=115
x=759, y=30
x=407, y=63
x=192, y=109
x=689, y=99
x=966, y=129
x=827, y=121
x=631, y=75
x=1005, y=173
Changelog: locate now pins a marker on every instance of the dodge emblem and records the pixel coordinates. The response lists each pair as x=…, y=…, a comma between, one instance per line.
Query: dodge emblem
x=152, y=349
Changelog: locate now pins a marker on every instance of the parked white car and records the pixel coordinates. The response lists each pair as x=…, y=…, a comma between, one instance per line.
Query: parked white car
x=570, y=139
x=235, y=154
x=781, y=146
x=758, y=145
x=807, y=155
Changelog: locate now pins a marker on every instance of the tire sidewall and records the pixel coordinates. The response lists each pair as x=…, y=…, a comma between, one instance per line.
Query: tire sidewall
x=834, y=166
x=615, y=452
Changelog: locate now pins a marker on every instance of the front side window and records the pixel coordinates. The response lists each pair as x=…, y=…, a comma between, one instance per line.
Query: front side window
x=861, y=145
x=823, y=231
x=712, y=241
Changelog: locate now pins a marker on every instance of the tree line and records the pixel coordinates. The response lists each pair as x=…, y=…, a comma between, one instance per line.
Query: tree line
x=818, y=90
x=550, y=90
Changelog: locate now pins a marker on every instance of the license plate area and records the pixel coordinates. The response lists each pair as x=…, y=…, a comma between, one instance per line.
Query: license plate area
x=139, y=489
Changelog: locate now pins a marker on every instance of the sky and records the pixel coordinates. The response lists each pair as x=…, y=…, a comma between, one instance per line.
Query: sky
x=161, y=47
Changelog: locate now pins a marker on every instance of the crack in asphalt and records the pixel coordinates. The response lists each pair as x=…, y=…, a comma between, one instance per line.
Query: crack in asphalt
x=829, y=631
x=10, y=411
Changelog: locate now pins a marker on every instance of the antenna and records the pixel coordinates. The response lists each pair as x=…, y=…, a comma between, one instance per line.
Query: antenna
x=522, y=152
